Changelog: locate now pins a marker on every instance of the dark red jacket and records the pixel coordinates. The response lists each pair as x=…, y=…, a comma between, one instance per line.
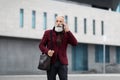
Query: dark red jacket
x=68, y=38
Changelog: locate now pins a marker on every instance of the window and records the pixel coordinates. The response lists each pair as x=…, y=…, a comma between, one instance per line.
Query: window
x=33, y=19
x=85, y=25
x=107, y=56
x=55, y=17
x=99, y=53
x=45, y=20
x=118, y=8
x=93, y=27
x=102, y=27
x=75, y=23
x=66, y=19
x=118, y=55
x=21, y=17
x=80, y=57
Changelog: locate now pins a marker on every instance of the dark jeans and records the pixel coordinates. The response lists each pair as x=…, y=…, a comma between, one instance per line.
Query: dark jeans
x=59, y=69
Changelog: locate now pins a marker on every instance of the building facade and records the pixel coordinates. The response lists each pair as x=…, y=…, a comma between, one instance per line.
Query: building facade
x=23, y=23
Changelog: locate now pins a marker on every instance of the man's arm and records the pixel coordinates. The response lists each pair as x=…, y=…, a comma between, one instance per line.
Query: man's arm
x=71, y=39
x=43, y=43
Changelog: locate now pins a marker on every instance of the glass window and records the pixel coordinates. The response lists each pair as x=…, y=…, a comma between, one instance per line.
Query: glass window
x=85, y=25
x=55, y=17
x=21, y=17
x=93, y=27
x=33, y=19
x=80, y=57
x=102, y=27
x=118, y=8
x=99, y=53
x=66, y=19
x=107, y=51
x=118, y=55
x=45, y=20
x=75, y=23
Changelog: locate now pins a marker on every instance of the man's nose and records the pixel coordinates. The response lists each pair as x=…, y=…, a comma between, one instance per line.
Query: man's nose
x=58, y=23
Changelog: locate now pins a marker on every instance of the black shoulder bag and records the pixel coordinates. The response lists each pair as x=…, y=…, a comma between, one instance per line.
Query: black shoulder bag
x=44, y=61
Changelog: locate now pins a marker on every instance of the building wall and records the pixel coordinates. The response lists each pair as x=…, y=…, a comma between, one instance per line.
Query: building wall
x=10, y=25
x=93, y=66
x=111, y=66
x=19, y=56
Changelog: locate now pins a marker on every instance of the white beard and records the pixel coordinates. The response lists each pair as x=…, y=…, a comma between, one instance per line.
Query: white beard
x=58, y=29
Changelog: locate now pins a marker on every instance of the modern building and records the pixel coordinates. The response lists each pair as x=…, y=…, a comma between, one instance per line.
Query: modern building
x=95, y=24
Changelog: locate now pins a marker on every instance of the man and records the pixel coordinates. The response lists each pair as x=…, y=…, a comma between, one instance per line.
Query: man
x=61, y=37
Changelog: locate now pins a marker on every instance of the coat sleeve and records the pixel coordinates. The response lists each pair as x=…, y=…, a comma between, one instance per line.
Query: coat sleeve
x=71, y=39
x=44, y=42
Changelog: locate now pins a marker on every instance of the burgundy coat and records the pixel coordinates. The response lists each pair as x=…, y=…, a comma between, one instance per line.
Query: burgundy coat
x=68, y=38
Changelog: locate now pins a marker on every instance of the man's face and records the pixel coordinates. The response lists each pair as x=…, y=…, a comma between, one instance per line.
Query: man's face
x=59, y=21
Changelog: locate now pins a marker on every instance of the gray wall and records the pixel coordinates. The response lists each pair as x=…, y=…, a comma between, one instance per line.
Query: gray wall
x=19, y=56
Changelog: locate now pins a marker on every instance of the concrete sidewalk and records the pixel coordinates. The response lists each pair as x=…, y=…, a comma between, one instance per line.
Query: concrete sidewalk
x=70, y=77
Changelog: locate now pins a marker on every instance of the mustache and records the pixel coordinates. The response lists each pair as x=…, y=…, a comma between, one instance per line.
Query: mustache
x=59, y=25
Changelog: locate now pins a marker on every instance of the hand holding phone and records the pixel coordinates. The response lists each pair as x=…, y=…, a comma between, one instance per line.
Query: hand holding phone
x=66, y=28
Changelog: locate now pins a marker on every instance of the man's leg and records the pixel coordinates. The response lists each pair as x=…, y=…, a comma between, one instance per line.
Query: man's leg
x=63, y=72
x=51, y=74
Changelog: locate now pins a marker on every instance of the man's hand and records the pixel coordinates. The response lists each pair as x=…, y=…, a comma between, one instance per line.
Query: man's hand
x=50, y=53
x=66, y=28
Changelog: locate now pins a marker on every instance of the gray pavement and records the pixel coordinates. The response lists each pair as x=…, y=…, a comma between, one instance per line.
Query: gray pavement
x=70, y=77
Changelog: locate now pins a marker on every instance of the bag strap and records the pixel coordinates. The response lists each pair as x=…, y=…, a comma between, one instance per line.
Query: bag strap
x=51, y=43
